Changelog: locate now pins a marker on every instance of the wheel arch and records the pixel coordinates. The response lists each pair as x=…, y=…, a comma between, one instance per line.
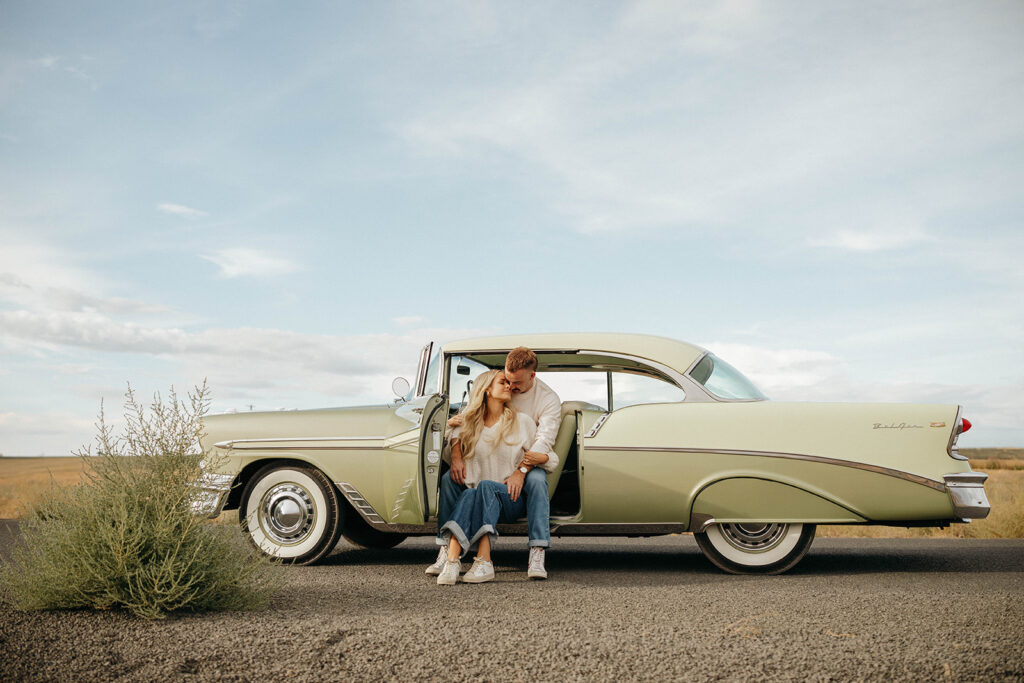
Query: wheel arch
x=250, y=469
x=756, y=497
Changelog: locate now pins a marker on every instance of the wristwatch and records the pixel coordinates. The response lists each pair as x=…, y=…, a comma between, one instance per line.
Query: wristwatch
x=523, y=469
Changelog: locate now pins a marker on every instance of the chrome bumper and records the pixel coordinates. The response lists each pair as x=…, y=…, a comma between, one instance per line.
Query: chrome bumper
x=211, y=494
x=967, y=491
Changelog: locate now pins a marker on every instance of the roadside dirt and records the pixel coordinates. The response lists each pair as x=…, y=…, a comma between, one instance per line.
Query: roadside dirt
x=613, y=609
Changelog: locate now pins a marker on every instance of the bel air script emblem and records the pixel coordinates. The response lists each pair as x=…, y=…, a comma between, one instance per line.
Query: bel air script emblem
x=901, y=426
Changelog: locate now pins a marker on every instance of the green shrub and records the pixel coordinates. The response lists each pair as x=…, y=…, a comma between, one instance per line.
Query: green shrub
x=126, y=537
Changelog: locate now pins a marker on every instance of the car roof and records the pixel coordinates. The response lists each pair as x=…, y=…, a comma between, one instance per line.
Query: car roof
x=671, y=352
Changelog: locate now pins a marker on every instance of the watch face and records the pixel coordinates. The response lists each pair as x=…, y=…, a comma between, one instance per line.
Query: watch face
x=523, y=470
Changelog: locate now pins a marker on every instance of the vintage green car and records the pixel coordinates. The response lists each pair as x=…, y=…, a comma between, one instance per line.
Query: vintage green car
x=657, y=437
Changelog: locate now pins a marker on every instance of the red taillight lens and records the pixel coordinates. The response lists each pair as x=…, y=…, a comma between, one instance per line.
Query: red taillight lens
x=966, y=424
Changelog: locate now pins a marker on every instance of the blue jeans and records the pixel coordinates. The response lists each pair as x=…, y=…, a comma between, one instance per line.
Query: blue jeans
x=538, y=508
x=479, y=511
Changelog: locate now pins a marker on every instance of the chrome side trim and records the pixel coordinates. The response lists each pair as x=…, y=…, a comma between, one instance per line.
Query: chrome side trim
x=402, y=495
x=246, y=443
x=877, y=469
x=616, y=529
x=364, y=509
x=361, y=506
x=967, y=491
x=596, y=426
x=367, y=512
x=599, y=529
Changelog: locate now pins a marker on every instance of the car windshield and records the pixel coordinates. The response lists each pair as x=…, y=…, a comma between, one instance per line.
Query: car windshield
x=724, y=381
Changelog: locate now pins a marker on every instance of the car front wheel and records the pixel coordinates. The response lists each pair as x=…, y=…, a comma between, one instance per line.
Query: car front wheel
x=755, y=547
x=291, y=513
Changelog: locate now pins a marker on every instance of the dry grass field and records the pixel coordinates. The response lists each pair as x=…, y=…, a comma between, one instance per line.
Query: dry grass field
x=23, y=480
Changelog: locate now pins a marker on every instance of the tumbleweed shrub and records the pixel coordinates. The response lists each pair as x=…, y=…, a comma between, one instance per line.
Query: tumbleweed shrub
x=126, y=537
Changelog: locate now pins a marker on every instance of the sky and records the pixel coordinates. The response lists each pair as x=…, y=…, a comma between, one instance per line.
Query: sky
x=290, y=199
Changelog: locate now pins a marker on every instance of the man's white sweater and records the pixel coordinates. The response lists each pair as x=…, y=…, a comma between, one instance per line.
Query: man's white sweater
x=543, y=405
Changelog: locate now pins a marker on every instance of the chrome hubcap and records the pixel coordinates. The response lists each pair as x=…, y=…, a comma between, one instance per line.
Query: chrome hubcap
x=756, y=537
x=287, y=514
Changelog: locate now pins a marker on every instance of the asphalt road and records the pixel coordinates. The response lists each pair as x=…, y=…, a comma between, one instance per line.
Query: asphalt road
x=613, y=609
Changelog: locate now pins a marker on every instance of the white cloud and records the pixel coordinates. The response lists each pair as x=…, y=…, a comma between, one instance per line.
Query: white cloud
x=702, y=27
x=181, y=210
x=631, y=131
x=245, y=262
x=47, y=62
x=243, y=362
x=47, y=433
x=778, y=369
x=850, y=240
x=808, y=375
x=407, y=320
x=36, y=266
x=38, y=277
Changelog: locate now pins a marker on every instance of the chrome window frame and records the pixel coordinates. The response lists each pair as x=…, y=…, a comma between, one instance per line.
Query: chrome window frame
x=693, y=392
x=421, y=371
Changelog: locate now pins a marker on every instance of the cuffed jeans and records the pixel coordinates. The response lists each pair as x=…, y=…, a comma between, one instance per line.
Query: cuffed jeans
x=479, y=511
x=538, y=507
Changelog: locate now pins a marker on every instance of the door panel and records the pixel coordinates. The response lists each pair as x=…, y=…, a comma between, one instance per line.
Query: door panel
x=432, y=426
x=632, y=485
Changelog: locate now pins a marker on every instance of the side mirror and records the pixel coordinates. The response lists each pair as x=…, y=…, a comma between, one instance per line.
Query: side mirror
x=400, y=386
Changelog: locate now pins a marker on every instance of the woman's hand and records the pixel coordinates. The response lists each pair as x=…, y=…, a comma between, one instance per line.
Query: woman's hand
x=458, y=468
x=456, y=420
x=458, y=471
x=534, y=459
x=515, y=484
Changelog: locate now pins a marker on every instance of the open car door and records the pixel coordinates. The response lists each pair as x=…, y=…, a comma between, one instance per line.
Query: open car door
x=432, y=426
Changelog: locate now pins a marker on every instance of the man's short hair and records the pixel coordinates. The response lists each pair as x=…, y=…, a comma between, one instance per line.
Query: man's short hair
x=521, y=358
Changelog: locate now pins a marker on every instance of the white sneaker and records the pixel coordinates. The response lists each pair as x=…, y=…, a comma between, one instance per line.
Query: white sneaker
x=442, y=555
x=480, y=572
x=449, y=573
x=536, y=568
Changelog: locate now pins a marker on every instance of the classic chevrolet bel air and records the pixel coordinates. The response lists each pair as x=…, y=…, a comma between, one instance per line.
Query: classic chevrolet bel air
x=657, y=437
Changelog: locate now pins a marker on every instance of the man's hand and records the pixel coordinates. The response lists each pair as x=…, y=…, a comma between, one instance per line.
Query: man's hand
x=534, y=459
x=455, y=420
x=515, y=484
x=458, y=469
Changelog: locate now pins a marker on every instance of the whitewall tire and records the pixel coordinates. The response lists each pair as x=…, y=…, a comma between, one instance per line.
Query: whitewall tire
x=755, y=547
x=291, y=513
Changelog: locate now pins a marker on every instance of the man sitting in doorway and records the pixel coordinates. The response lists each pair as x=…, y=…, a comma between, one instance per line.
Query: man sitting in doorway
x=536, y=399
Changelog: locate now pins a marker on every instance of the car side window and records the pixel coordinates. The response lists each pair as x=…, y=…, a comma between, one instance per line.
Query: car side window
x=591, y=387
x=630, y=390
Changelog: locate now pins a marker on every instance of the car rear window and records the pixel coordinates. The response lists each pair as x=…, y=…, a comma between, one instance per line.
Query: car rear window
x=724, y=381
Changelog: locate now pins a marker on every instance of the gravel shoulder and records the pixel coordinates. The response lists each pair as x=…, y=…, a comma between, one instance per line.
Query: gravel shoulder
x=632, y=609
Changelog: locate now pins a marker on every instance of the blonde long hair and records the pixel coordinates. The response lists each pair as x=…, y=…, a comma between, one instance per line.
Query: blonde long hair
x=475, y=412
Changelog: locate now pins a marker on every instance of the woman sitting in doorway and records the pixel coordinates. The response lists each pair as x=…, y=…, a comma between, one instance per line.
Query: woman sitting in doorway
x=491, y=441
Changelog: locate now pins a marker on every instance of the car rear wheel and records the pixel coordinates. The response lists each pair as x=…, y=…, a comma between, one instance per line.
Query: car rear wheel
x=291, y=513
x=755, y=547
